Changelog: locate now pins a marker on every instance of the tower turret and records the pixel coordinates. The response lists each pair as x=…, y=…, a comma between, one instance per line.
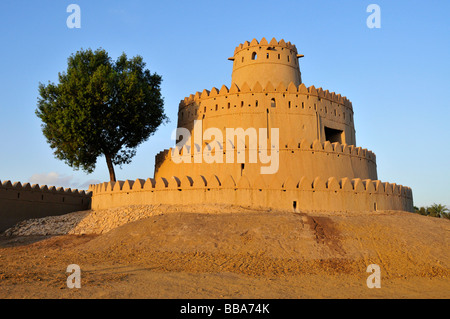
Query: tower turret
x=262, y=62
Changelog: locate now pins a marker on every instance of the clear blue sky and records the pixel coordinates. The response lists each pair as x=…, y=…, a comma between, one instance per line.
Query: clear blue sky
x=397, y=77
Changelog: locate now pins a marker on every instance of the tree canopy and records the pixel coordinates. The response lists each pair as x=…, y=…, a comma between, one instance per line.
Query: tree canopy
x=435, y=210
x=100, y=107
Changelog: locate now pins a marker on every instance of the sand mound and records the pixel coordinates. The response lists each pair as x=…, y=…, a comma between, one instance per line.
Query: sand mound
x=215, y=251
x=102, y=221
x=261, y=243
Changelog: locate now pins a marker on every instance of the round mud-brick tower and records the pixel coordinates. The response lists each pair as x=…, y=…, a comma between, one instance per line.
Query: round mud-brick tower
x=310, y=130
x=266, y=141
x=262, y=62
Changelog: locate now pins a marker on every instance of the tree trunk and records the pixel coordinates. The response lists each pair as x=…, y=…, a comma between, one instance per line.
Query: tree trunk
x=112, y=174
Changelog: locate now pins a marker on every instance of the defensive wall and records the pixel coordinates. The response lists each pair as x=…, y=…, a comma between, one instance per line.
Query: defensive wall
x=19, y=202
x=306, y=194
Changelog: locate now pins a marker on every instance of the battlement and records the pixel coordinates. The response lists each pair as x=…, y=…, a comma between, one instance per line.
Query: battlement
x=43, y=189
x=291, y=89
x=262, y=182
x=24, y=201
x=335, y=148
x=263, y=43
x=330, y=194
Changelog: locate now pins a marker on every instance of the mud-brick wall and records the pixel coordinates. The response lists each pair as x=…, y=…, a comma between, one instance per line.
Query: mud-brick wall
x=20, y=202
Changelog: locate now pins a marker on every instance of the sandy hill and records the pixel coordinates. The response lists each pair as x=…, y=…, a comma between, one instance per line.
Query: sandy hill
x=221, y=251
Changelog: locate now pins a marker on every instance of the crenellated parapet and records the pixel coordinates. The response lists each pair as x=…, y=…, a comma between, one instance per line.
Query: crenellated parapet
x=244, y=182
x=330, y=194
x=39, y=193
x=263, y=43
x=335, y=148
x=312, y=91
x=23, y=201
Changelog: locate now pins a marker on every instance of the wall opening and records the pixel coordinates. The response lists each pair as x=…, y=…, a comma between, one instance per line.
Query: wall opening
x=375, y=206
x=333, y=135
x=273, y=103
x=254, y=56
x=294, y=205
x=242, y=168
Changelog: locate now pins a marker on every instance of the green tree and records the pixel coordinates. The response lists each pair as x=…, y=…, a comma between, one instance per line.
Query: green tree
x=100, y=107
x=438, y=210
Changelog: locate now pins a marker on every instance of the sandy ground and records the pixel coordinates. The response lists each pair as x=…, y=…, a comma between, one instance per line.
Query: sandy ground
x=226, y=252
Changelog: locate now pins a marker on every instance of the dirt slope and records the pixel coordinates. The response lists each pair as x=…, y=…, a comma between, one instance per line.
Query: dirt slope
x=238, y=253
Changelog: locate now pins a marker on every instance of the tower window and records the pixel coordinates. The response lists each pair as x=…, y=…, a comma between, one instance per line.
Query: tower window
x=254, y=56
x=333, y=135
x=278, y=56
x=288, y=58
x=256, y=103
x=267, y=55
x=273, y=103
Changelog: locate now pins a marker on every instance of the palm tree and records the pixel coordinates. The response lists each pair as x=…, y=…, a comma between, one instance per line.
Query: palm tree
x=438, y=210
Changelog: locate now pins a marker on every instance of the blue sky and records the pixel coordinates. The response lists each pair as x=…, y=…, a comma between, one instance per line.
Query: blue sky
x=397, y=77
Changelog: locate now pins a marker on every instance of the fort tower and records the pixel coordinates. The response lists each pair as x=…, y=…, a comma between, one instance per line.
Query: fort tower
x=320, y=165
